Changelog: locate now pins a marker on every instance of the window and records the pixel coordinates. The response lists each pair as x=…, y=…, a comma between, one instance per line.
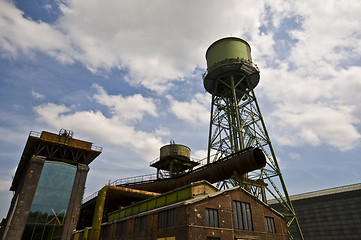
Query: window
x=167, y=218
x=121, y=228
x=242, y=215
x=105, y=232
x=270, y=224
x=140, y=224
x=50, y=202
x=211, y=217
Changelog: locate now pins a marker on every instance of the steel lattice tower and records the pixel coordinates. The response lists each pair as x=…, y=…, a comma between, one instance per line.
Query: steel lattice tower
x=236, y=122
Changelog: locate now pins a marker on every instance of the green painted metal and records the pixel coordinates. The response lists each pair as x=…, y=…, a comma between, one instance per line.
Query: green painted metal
x=85, y=234
x=152, y=203
x=227, y=48
x=172, y=150
x=98, y=214
x=174, y=160
x=236, y=121
x=225, y=56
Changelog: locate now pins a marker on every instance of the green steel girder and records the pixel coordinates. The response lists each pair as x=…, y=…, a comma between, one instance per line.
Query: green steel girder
x=237, y=123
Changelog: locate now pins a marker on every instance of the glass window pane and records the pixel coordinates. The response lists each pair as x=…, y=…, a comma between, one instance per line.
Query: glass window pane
x=50, y=202
x=247, y=216
x=211, y=217
x=270, y=224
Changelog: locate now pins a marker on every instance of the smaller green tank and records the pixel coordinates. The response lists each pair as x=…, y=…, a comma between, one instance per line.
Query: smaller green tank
x=175, y=159
x=175, y=151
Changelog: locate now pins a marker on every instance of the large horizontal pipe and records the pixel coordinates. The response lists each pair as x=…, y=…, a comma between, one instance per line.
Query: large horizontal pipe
x=240, y=163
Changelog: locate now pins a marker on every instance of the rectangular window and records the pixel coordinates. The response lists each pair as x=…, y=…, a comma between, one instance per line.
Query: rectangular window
x=121, y=228
x=51, y=200
x=247, y=218
x=167, y=218
x=140, y=224
x=242, y=215
x=270, y=224
x=212, y=217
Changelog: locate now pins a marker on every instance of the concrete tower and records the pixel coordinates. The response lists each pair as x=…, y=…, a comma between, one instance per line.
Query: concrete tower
x=48, y=186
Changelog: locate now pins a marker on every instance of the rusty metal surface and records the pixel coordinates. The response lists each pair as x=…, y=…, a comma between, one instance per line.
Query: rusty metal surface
x=240, y=163
x=47, y=145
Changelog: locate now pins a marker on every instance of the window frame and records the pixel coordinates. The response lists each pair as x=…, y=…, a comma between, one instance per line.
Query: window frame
x=120, y=228
x=270, y=224
x=212, y=217
x=242, y=215
x=140, y=224
x=167, y=218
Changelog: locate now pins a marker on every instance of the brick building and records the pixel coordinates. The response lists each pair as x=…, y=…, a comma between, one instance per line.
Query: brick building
x=196, y=211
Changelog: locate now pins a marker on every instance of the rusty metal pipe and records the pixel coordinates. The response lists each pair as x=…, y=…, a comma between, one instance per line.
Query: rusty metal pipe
x=240, y=163
x=100, y=204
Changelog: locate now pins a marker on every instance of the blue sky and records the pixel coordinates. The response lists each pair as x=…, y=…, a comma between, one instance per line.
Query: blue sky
x=126, y=75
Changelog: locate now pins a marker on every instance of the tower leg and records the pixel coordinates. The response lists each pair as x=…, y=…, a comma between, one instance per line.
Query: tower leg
x=236, y=124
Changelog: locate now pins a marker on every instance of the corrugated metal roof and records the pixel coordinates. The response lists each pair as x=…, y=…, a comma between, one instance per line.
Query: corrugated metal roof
x=324, y=192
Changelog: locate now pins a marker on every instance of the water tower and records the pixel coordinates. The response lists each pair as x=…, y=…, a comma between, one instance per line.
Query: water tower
x=174, y=160
x=236, y=122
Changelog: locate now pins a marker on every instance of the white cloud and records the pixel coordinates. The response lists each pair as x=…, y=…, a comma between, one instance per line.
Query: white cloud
x=22, y=34
x=163, y=43
x=195, y=111
x=116, y=129
x=200, y=154
x=167, y=40
x=294, y=155
x=315, y=124
x=126, y=108
x=37, y=95
x=10, y=136
x=4, y=186
x=313, y=90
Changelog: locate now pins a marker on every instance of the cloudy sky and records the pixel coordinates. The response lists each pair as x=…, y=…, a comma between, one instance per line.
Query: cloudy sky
x=126, y=75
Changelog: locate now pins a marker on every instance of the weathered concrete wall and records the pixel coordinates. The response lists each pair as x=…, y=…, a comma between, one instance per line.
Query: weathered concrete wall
x=22, y=200
x=73, y=212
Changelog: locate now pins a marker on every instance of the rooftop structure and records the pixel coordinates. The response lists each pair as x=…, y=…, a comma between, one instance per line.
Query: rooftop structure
x=174, y=160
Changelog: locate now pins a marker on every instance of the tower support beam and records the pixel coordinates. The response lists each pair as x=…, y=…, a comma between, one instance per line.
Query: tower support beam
x=236, y=122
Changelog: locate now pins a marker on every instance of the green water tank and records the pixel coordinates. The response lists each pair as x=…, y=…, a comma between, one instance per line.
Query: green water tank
x=175, y=151
x=229, y=63
x=227, y=49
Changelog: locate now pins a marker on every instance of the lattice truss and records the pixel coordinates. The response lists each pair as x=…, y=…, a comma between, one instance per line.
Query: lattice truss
x=237, y=124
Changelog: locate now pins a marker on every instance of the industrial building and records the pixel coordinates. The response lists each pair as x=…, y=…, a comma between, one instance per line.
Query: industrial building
x=330, y=214
x=48, y=187
x=147, y=195
x=195, y=211
x=170, y=204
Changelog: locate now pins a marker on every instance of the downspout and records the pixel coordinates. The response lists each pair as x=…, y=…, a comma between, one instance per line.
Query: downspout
x=85, y=234
x=98, y=213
